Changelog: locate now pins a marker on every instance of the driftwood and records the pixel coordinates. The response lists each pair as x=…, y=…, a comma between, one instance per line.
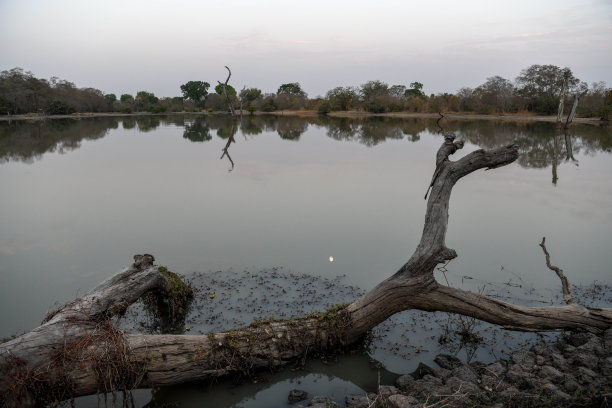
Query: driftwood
x=78, y=351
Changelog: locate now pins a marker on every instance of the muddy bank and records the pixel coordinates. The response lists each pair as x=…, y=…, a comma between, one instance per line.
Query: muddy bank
x=576, y=370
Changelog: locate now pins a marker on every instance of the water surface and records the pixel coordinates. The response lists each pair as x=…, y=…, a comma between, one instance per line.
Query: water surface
x=206, y=194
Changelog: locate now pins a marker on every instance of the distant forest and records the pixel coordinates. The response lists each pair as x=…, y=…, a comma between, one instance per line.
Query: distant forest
x=538, y=89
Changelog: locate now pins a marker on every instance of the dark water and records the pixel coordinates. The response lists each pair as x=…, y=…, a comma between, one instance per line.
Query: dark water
x=81, y=197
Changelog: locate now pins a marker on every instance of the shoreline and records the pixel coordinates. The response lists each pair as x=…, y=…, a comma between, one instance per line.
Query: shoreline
x=340, y=114
x=573, y=371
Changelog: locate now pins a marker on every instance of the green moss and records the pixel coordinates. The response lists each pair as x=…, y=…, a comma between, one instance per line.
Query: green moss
x=169, y=305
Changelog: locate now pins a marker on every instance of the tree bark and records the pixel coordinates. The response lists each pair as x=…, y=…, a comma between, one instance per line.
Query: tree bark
x=572, y=113
x=78, y=351
x=230, y=105
x=562, y=96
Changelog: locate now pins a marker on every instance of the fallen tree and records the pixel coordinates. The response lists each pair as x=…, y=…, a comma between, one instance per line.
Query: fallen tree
x=78, y=350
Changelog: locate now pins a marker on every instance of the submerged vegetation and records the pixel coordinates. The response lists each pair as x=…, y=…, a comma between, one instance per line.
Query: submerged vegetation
x=537, y=89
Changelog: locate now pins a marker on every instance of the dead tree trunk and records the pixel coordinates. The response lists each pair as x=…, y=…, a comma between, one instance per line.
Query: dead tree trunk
x=566, y=75
x=77, y=351
x=572, y=113
x=230, y=105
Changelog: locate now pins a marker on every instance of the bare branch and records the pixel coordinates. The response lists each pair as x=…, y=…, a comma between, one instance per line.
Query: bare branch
x=564, y=282
x=224, y=86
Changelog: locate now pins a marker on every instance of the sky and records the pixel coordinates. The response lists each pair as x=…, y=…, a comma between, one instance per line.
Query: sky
x=126, y=46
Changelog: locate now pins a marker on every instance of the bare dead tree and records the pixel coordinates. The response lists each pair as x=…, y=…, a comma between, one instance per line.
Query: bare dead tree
x=76, y=352
x=566, y=75
x=582, y=90
x=228, y=100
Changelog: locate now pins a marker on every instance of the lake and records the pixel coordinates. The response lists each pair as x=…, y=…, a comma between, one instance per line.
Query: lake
x=291, y=198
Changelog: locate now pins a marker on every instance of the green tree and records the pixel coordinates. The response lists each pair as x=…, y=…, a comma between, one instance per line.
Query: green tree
x=343, y=98
x=111, y=97
x=195, y=91
x=126, y=98
x=231, y=92
x=57, y=107
x=249, y=95
x=373, y=89
x=145, y=100
x=496, y=94
x=415, y=90
x=375, y=96
x=293, y=88
x=541, y=86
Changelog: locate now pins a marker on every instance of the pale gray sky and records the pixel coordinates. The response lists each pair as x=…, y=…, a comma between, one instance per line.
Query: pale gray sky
x=124, y=46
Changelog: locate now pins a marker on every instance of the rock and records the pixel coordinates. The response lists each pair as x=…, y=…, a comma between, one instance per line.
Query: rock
x=578, y=339
x=543, y=349
x=567, y=349
x=516, y=373
x=559, y=362
x=585, y=375
x=430, y=386
x=465, y=373
x=406, y=383
x=585, y=359
x=509, y=392
x=488, y=382
x=402, y=401
x=606, y=367
x=607, y=339
x=422, y=370
x=356, y=401
x=496, y=368
x=447, y=361
x=442, y=373
x=532, y=383
x=552, y=374
x=570, y=385
x=554, y=392
x=524, y=358
x=540, y=360
x=455, y=384
x=322, y=402
x=297, y=396
x=387, y=390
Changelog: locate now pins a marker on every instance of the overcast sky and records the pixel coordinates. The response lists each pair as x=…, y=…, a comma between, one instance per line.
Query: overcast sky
x=124, y=46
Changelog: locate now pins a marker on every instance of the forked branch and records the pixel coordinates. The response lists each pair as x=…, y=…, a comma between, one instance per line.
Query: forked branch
x=567, y=297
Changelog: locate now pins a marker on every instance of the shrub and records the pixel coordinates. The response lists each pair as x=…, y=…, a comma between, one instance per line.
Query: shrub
x=605, y=112
x=375, y=107
x=59, y=108
x=324, y=108
x=268, y=105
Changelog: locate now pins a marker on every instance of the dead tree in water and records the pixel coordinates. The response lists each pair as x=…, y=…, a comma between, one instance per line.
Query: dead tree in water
x=77, y=351
x=224, y=87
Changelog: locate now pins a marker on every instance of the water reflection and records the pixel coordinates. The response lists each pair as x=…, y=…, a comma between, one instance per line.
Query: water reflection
x=230, y=139
x=197, y=130
x=539, y=143
x=352, y=374
x=29, y=141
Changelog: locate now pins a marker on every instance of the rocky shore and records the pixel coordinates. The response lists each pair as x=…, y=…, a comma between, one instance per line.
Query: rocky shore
x=576, y=371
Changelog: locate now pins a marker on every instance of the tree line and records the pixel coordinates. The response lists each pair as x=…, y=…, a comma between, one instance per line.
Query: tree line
x=540, y=89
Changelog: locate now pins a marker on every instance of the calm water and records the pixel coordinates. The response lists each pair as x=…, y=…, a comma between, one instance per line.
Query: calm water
x=81, y=197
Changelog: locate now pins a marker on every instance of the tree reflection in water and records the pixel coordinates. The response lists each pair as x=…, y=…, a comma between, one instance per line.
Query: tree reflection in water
x=538, y=142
